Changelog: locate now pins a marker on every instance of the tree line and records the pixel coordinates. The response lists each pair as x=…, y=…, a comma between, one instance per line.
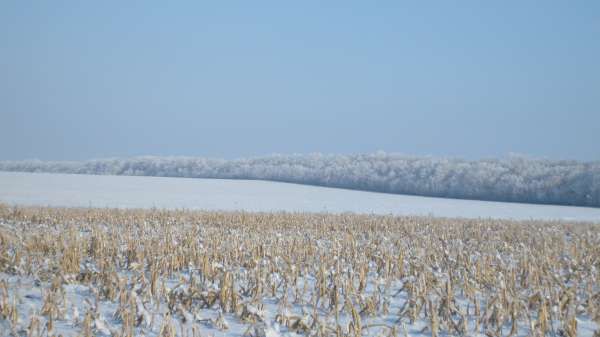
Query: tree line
x=515, y=178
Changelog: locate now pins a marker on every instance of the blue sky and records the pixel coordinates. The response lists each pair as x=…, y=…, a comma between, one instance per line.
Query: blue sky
x=468, y=79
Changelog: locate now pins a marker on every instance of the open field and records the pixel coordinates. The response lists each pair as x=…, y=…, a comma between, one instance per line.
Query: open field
x=187, y=273
x=74, y=190
x=511, y=179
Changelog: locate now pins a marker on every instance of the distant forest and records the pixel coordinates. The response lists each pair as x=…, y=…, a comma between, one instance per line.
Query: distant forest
x=515, y=178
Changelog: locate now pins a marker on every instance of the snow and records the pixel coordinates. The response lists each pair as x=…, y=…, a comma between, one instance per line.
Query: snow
x=45, y=189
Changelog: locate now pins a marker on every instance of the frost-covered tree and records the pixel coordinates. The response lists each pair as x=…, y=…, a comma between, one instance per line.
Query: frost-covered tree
x=515, y=178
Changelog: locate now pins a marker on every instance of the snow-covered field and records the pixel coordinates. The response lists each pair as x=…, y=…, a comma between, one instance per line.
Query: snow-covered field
x=220, y=194
x=133, y=272
x=110, y=272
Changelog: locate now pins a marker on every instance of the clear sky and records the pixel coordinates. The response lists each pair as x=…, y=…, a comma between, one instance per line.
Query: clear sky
x=472, y=79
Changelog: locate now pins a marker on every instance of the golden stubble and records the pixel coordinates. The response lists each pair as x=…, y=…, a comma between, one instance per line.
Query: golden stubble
x=344, y=271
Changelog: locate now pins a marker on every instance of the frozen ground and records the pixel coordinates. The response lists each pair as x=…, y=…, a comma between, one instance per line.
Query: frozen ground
x=217, y=194
x=106, y=272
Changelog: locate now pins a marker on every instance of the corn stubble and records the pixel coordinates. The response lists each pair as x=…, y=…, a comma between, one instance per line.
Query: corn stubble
x=184, y=273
